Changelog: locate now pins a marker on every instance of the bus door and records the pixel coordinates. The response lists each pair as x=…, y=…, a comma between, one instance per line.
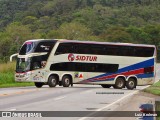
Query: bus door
x=39, y=73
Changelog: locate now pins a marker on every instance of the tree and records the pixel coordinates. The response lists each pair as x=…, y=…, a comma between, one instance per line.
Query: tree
x=5, y=45
x=116, y=34
x=153, y=32
x=17, y=34
x=71, y=31
x=138, y=35
x=29, y=20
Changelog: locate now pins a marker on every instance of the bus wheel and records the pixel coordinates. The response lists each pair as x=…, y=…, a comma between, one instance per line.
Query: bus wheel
x=106, y=86
x=52, y=81
x=131, y=84
x=66, y=81
x=120, y=83
x=39, y=84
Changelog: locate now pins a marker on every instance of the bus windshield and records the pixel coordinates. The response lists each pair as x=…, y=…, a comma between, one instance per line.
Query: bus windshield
x=34, y=61
x=22, y=65
x=27, y=48
x=36, y=46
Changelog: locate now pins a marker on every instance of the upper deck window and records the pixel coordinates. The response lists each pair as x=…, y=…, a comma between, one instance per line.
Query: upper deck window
x=37, y=46
x=65, y=48
x=44, y=47
x=99, y=49
x=27, y=48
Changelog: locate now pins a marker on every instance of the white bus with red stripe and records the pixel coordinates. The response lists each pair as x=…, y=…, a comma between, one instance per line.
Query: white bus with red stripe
x=68, y=62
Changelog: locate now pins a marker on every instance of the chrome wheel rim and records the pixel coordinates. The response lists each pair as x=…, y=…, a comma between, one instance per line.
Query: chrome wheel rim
x=53, y=81
x=131, y=83
x=120, y=83
x=66, y=81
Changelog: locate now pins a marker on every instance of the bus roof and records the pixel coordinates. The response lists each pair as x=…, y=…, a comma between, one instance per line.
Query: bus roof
x=93, y=42
x=107, y=43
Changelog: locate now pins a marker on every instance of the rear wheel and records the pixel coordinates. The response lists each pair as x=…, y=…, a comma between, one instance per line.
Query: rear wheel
x=120, y=83
x=38, y=84
x=66, y=81
x=131, y=84
x=106, y=86
x=52, y=81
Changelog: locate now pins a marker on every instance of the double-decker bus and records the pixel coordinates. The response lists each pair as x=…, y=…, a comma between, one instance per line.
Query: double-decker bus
x=67, y=62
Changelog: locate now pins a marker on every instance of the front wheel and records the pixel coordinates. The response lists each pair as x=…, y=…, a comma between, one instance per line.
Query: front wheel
x=52, y=81
x=106, y=86
x=66, y=81
x=120, y=83
x=38, y=84
x=131, y=84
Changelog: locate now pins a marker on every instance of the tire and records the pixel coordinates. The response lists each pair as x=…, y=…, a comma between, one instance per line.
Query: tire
x=38, y=84
x=66, y=81
x=120, y=83
x=52, y=81
x=106, y=86
x=131, y=84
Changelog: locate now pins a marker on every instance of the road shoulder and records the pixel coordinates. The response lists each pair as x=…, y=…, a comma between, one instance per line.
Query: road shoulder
x=133, y=103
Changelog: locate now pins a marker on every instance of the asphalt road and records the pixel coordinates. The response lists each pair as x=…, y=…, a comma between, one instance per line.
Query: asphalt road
x=76, y=98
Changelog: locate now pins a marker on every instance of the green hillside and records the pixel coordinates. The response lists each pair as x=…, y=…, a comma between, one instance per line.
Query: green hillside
x=135, y=21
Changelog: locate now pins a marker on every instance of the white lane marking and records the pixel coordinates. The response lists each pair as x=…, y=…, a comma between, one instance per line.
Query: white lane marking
x=58, y=98
x=100, y=109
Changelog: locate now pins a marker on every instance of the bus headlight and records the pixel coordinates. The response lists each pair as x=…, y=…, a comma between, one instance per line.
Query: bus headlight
x=22, y=75
x=17, y=75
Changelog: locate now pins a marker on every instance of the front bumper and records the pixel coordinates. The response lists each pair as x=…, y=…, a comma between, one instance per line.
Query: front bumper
x=23, y=77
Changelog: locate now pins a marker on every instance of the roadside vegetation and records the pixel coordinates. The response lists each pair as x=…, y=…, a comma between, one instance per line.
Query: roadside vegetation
x=130, y=21
x=7, y=71
x=154, y=89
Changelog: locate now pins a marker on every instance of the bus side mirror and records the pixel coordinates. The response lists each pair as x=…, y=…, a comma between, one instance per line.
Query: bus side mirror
x=11, y=57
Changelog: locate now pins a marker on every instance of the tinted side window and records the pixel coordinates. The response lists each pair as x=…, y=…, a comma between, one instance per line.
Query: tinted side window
x=149, y=52
x=84, y=67
x=81, y=48
x=63, y=66
x=44, y=47
x=131, y=51
x=126, y=51
x=23, y=50
x=64, y=48
x=97, y=49
x=111, y=50
x=143, y=52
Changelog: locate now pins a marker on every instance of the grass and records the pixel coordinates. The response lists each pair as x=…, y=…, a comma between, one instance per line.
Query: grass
x=7, y=71
x=154, y=89
x=7, y=67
